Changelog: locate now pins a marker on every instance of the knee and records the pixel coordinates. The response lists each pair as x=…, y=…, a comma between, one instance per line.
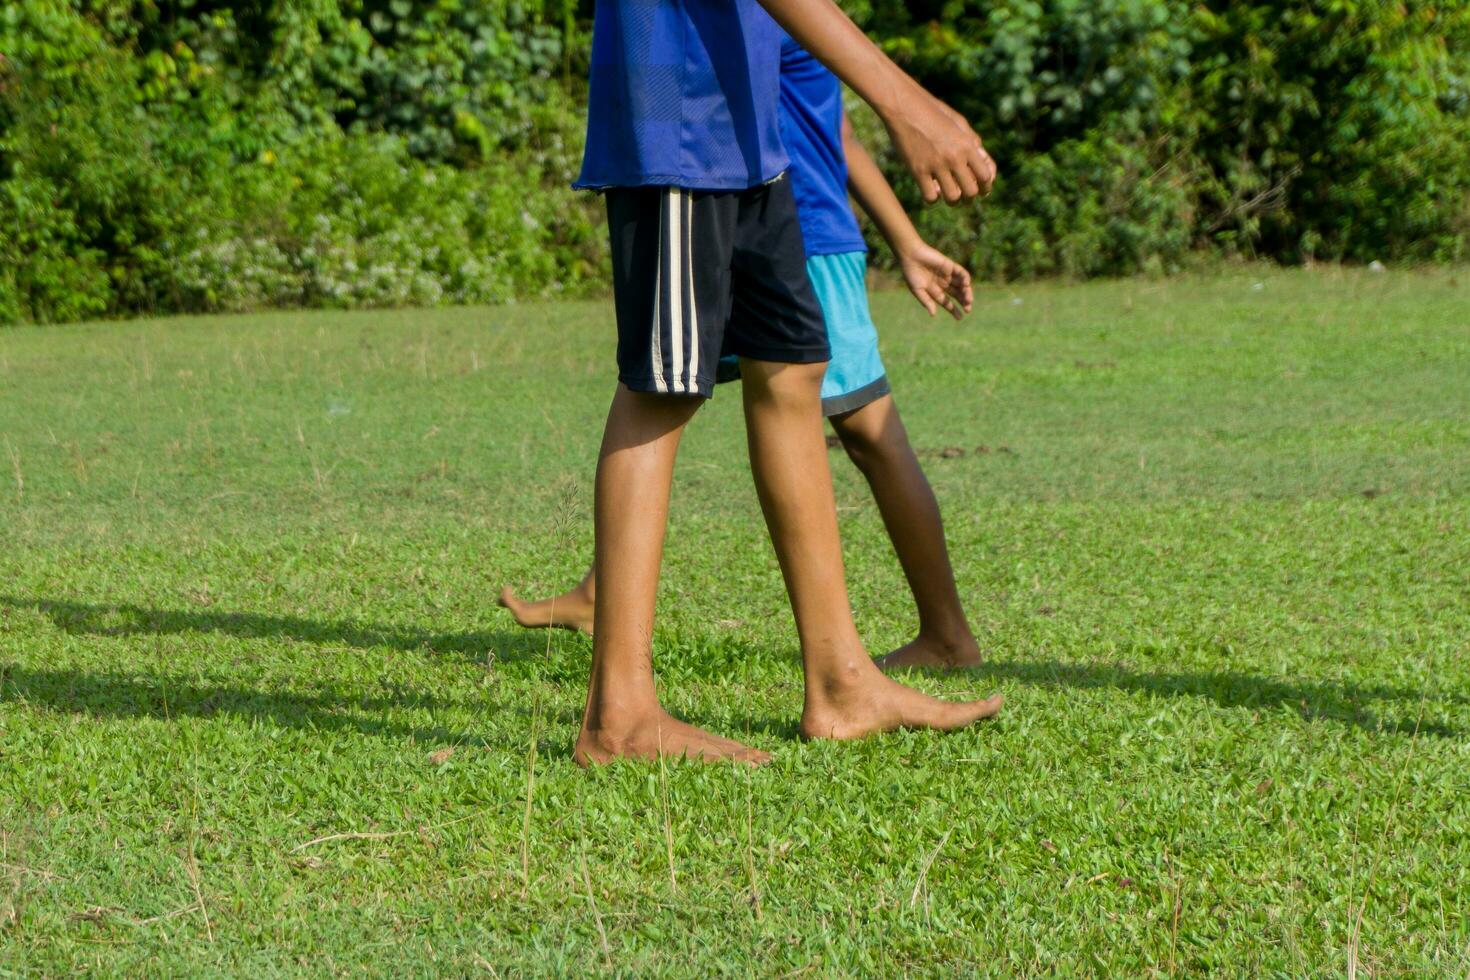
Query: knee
x=783, y=382
x=802, y=377
x=868, y=440
x=865, y=451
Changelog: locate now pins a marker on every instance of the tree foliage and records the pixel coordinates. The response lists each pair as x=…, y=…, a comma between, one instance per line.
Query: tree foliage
x=197, y=155
x=1132, y=132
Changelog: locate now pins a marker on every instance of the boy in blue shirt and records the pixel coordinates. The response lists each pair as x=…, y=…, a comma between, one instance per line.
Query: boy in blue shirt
x=827, y=161
x=683, y=138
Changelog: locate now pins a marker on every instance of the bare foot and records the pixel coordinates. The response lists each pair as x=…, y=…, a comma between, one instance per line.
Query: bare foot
x=868, y=702
x=658, y=734
x=569, y=611
x=929, y=654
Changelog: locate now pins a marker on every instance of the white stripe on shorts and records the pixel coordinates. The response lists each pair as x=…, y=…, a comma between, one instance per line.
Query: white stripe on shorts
x=658, y=292
x=676, y=284
x=693, y=373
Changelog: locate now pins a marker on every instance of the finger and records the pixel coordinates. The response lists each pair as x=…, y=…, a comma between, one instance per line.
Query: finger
x=984, y=169
x=942, y=299
x=988, y=168
x=961, y=287
x=930, y=187
x=957, y=301
x=925, y=300
x=952, y=285
x=955, y=309
x=949, y=188
x=968, y=180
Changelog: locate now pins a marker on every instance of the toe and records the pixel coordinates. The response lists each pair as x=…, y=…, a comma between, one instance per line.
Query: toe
x=988, y=708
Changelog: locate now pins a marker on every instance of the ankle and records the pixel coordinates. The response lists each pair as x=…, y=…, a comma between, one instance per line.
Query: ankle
x=836, y=679
x=947, y=638
x=609, y=715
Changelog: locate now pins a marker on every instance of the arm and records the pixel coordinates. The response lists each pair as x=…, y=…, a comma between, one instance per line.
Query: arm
x=939, y=147
x=934, y=279
x=875, y=195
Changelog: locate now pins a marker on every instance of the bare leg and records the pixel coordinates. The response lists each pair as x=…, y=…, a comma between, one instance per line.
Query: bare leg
x=572, y=610
x=846, y=695
x=875, y=439
x=635, y=467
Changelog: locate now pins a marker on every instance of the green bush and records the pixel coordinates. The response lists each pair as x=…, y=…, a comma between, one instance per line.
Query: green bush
x=132, y=185
x=1132, y=130
x=1338, y=129
x=358, y=221
x=1078, y=102
x=84, y=211
x=198, y=155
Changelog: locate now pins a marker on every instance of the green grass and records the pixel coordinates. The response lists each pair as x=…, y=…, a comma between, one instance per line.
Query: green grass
x=1218, y=549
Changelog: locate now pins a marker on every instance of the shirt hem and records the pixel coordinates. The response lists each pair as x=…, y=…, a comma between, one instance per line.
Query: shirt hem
x=836, y=248
x=689, y=182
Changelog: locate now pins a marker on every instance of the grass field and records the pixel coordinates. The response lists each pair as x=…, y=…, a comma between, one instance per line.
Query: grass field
x=259, y=715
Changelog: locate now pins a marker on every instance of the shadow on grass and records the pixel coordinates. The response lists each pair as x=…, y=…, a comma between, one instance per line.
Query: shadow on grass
x=1341, y=703
x=123, y=619
x=1312, y=700
x=142, y=695
x=168, y=697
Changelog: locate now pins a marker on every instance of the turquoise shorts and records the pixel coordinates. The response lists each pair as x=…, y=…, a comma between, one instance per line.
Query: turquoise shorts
x=855, y=375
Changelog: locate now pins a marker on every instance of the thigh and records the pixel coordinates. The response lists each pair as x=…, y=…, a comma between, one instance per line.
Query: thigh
x=671, y=253
x=855, y=375
x=774, y=314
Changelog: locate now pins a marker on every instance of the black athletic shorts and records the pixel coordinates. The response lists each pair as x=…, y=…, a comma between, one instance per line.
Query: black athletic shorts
x=701, y=273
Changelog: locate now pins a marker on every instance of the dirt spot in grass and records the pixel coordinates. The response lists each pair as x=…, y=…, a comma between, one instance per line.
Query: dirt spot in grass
x=1046, y=611
x=1373, y=492
x=442, y=756
x=1264, y=787
x=1047, y=845
x=957, y=452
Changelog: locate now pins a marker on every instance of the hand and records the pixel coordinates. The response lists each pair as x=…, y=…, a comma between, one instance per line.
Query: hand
x=943, y=153
x=937, y=281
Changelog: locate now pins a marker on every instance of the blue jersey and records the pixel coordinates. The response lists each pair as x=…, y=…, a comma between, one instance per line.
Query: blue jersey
x=683, y=93
x=811, y=128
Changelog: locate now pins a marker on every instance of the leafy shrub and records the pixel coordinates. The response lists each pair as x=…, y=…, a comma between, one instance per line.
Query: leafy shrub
x=84, y=209
x=129, y=185
x=1127, y=131
x=358, y=221
x=196, y=155
x=1339, y=129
